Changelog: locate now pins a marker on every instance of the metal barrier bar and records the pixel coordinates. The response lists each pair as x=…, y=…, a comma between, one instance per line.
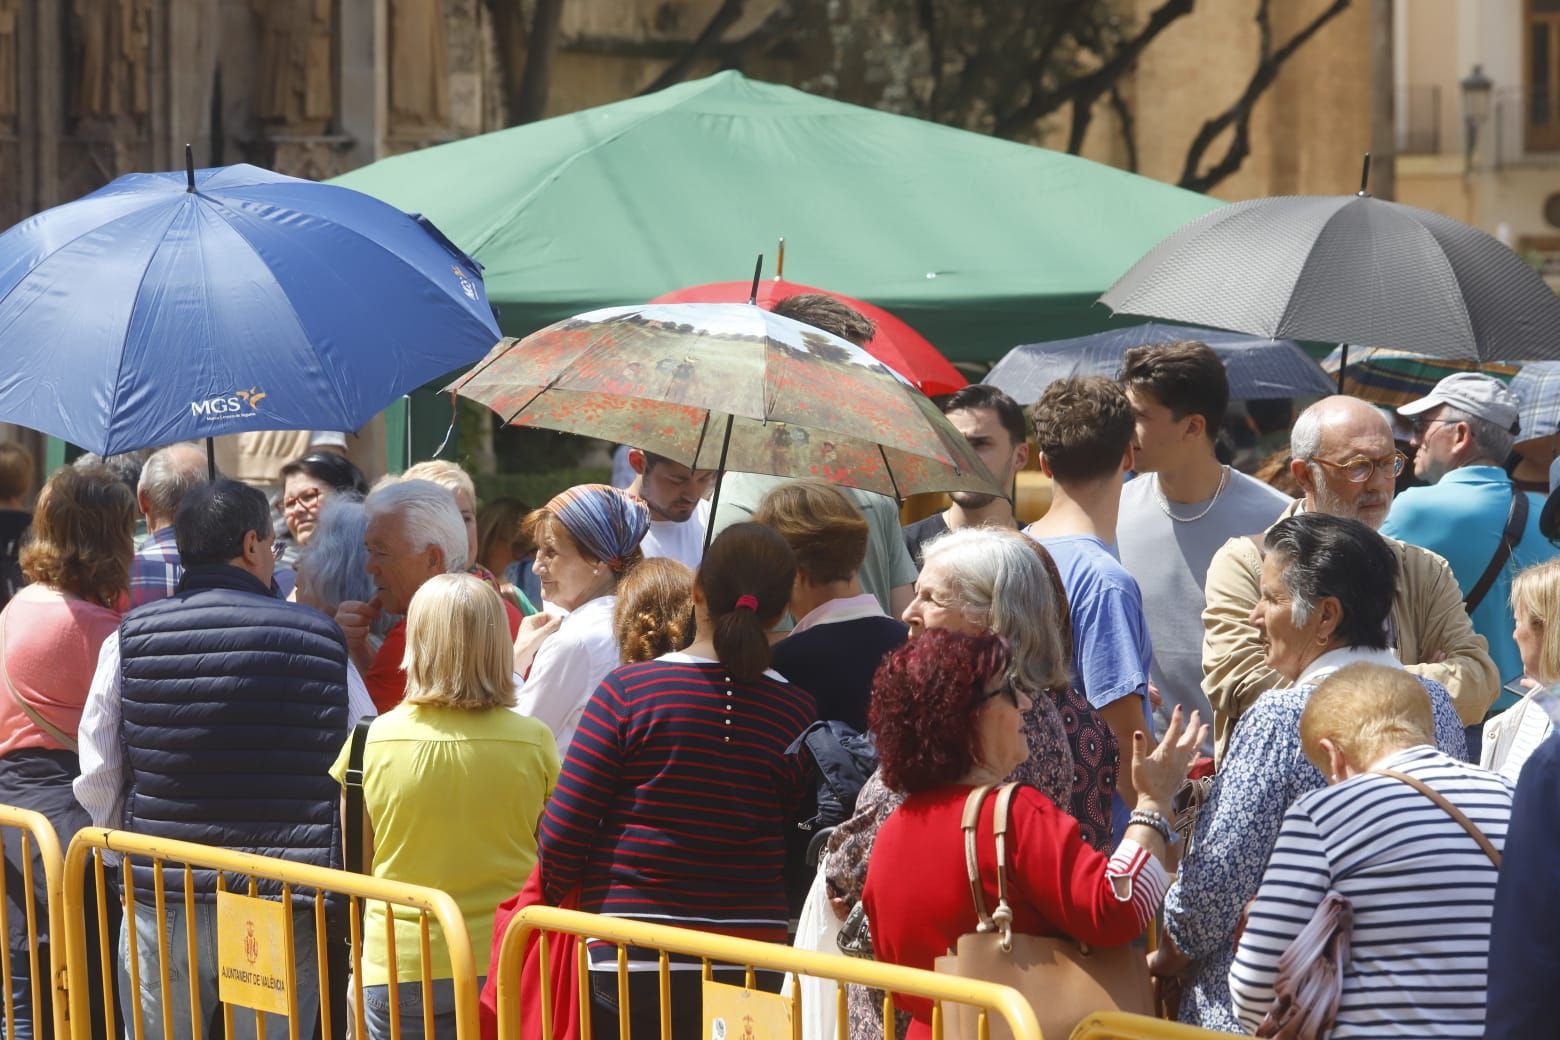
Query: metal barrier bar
x=38, y=848
x=89, y=848
x=1005, y=1003
x=1118, y=1025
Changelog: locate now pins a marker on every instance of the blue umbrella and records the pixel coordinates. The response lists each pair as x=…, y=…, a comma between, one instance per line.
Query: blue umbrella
x=1538, y=385
x=1257, y=367
x=171, y=306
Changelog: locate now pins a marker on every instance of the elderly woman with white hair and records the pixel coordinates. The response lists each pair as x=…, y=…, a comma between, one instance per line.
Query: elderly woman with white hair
x=979, y=580
x=414, y=531
x=1402, y=828
x=454, y=784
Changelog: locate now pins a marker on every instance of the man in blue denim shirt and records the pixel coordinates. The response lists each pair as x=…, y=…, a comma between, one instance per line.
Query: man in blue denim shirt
x=1464, y=430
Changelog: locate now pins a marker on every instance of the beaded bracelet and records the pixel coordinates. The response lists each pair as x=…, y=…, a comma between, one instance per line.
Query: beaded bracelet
x=1152, y=820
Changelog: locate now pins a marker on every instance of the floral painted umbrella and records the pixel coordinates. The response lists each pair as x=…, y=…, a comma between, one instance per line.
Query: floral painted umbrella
x=729, y=387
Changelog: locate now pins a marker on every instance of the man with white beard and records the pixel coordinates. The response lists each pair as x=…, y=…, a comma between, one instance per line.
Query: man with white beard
x=1343, y=457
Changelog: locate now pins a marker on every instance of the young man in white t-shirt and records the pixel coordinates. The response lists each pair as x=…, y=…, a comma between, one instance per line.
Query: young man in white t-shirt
x=1182, y=506
x=678, y=498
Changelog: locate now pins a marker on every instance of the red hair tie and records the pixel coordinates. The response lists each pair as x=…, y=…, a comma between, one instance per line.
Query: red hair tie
x=747, y=602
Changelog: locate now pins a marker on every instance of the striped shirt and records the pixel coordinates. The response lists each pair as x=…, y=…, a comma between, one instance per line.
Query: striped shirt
x=1422, y=891
x=675, y=796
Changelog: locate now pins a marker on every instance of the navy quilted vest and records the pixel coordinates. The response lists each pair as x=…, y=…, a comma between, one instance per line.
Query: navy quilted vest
x=234, y=708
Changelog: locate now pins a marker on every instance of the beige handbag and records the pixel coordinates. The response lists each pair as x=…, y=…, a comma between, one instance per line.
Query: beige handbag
x=1065, y=980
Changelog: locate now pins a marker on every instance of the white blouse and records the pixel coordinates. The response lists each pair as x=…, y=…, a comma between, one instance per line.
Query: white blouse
x=568, y=667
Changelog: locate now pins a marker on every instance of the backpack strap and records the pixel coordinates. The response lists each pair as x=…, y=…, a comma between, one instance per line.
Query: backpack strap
x=353, y=852
x=1516, y=523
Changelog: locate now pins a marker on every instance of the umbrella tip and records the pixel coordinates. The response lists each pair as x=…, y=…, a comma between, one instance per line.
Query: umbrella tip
x=758, y=272
x=780, y=260
x=1364, y=191
x=189, y=168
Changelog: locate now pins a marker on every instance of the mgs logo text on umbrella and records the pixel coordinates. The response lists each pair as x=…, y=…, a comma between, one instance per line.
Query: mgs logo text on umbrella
x=171, y=306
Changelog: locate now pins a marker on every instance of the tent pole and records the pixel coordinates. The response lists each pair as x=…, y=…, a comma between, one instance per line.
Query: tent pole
x=211, y=459
x=1343, y=364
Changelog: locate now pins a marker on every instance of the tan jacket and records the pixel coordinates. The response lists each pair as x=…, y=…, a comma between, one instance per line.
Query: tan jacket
x=1435, y=638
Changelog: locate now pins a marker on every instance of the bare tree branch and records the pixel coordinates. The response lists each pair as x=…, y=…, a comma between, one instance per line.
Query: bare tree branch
x=724, y=18
x=1118, y=104
x=1085, y=90
x=1238, y=114
x=531, y=104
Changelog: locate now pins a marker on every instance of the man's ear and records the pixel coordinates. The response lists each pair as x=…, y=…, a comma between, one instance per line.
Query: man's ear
x=1128, y=458
x=1301, y=471
x=636, y=461
x=1197, y=425
x=1045, y=466
x=1021, y=455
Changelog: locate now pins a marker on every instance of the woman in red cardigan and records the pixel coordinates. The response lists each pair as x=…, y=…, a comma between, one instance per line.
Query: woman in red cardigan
x=946, y=720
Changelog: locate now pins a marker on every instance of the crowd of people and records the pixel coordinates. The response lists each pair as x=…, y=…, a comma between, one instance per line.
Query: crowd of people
x=1255, y=717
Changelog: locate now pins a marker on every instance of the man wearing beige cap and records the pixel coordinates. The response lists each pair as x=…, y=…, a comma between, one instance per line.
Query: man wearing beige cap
x=1471, y=513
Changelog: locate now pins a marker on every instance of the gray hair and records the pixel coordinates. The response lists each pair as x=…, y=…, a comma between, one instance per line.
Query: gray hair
x=429, y=514
x=330, y=566
x=1005, y=587
x=1493, y=442
x=169, y=475
x=1305, y=438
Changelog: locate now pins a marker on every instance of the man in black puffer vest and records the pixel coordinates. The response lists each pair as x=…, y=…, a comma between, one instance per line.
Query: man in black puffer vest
x=229, y=707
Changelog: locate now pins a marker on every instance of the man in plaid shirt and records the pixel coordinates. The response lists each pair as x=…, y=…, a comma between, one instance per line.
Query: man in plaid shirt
x=169, y=475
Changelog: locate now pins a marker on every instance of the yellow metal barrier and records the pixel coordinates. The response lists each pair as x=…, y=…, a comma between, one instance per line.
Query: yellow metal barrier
x=303, y=887
x=1116, y=1025
x=38, y=847
x=989, y=998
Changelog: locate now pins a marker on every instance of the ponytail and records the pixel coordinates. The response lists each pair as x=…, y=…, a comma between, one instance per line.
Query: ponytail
x=746, y=578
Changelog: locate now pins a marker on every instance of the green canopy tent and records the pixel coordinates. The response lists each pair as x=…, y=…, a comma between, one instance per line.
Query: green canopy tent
x=978, y=243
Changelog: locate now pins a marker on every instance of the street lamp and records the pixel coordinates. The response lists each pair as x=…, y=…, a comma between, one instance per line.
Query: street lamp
x=1475, y=87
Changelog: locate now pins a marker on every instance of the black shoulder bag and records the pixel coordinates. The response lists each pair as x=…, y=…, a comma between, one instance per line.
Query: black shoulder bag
x=353, y=853
x=1516, y=523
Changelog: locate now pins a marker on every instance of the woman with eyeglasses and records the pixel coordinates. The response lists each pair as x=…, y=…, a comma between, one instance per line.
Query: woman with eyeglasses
x=947, y=718
x=307, y=482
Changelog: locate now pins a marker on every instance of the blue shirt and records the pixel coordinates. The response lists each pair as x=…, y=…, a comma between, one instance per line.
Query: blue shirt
x=1461, y=517
x=1111, y=648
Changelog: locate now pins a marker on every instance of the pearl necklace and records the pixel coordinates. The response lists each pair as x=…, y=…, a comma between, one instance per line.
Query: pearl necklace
x=1164, y=503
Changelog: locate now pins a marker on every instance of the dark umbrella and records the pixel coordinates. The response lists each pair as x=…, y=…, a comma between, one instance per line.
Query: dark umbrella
x=1347, y=269
x=1257, y=368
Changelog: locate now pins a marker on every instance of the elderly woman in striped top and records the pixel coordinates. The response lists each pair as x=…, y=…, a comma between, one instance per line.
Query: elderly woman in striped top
x=1384, y=837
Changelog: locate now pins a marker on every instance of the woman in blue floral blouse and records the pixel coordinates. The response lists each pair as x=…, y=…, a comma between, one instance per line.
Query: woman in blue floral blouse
x=1326, y=593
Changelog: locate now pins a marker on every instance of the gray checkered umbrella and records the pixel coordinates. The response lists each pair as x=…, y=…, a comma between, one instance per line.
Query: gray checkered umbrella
x=1347, y=269
x=1538, y=385
x=1257, y=368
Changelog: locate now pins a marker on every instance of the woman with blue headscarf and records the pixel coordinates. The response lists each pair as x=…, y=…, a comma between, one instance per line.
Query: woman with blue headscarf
x=586, y=539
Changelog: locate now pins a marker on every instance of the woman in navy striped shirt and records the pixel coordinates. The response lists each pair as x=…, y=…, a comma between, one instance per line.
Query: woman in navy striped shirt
x=1420, y=884
x=676, y=792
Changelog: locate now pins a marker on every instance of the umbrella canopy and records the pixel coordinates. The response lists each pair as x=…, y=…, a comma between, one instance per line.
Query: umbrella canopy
x=1538, y=386
x=170, y=306
x=976, y=242
x=729, y=387
x=1394, y=377
x=894, y=343
x=1257, y=368
x=1348, y=269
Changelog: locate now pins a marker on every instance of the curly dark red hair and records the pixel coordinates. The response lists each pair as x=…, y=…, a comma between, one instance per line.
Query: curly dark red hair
x=924, y=699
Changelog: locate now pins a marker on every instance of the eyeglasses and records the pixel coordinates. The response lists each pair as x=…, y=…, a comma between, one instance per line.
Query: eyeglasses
x=1007, y=690
x=1421, y=424
x=278, y=548
x=1359, y=469
x=305, y=499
